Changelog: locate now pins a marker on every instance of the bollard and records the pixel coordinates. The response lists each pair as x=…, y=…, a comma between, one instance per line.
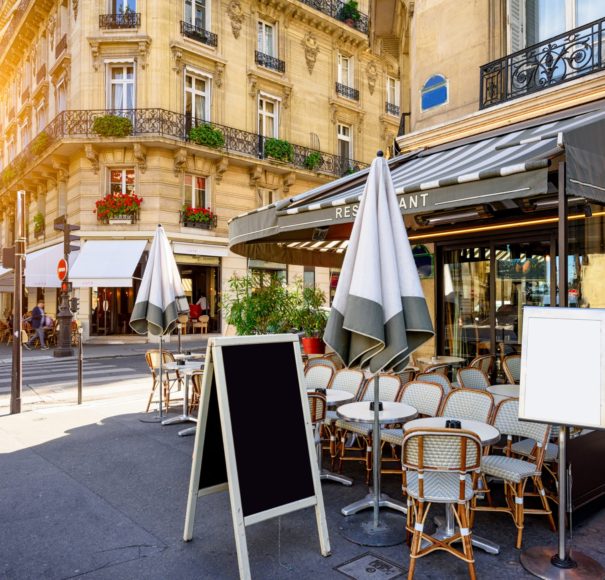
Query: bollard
x=80, y=365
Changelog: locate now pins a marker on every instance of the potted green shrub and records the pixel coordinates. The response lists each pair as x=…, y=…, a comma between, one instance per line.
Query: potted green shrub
x=112, y=126
x=279, y=149
x=349, y=13
x=310, y=318
x=207, y=135
x=40, y=143
x=38, y=224
x=313, y=160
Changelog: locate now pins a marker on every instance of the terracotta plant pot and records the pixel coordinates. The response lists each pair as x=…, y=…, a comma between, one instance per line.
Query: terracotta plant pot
x=313, y=345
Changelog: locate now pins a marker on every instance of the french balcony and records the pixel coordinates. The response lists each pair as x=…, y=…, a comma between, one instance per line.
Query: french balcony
x=268, y=61
x=41, y=74
x=391, y=109
x=199, y=34
x=337, y=10
x=177, y=126
x=61, y=46
x=120, y=20
x=563, y=58
x=347, y=92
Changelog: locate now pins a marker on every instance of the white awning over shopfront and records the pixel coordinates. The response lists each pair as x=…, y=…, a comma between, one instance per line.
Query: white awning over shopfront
x=107, y=263
x=7, y=280
x=41, y=267
x=200, y=249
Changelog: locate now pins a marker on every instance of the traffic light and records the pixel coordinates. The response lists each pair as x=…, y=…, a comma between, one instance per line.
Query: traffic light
x=61, y=225
x=74, y=304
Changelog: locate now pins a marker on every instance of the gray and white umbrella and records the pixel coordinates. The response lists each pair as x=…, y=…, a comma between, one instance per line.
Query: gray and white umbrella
x=379, y=314
x=160, y=299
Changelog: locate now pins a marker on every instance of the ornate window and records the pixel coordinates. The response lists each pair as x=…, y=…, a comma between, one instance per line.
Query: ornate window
x=268, y=116
x=122, y=180
x=267, y=38
x=345, y=144
x=197, y=97
x=195, y=191
x=196, y=13
x=121, y=86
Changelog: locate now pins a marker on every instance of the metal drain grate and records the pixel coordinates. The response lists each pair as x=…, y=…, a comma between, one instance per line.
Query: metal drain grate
x=370, y=567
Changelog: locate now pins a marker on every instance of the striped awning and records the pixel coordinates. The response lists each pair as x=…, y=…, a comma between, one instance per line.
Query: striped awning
x=502, y=167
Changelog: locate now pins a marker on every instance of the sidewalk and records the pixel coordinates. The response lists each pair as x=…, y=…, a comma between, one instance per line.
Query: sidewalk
x=110, y=347
x=92, y=492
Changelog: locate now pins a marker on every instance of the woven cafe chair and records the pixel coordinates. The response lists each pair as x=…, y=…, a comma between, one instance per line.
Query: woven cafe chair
x=407, y=375
x=317, y=409
x=389, y=391
x=197, y=378
x=440, y=466
x=511, y=364
x=320, y=360
x=319, y=376
x=472, y=378
x=438, y=378
x=515, y=472
x=351, y=381
x=426, y=398
x=439, y=368
x=468, y=404
x=485, y=363
x=170, y=378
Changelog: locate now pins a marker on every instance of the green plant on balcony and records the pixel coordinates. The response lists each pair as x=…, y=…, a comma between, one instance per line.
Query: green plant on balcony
x=8, y=175
x=207, y=135
x=38, y=223
x=279, y=149
x=118, y=206
x=112, y=126
x=40, y=143
x=349, y=13
x=312, y=160
x=198, y=217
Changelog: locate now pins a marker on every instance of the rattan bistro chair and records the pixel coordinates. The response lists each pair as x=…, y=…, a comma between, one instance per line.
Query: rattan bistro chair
x=197, y=378
x=170, y=378
x=511, y=364
x=517, y=472
x=440, y=466
x=472, y=378
x=436, y=378
x=389, y=391
x=438, y=368
x=320, y=360
x=319, y=376
x=468, y=404
x=485, y=363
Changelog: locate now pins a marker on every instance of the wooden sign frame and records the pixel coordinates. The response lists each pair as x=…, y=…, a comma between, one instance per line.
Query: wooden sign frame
x=215, y=406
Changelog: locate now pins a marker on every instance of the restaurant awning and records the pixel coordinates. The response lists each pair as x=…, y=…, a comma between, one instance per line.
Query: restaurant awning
x=108, y=263
x=41, y=267
x=7, y=280
x=483, y=170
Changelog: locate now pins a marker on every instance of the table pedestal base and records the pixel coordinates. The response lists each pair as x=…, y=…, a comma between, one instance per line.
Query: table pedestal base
x=360, y=530
x=368, y=502
x=324, y=474
x=188, y=431
x=153, y=419
x=538, y=561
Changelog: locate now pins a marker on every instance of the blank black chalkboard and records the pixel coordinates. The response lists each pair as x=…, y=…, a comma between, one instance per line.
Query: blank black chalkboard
x=213, y=470
x=269, y=434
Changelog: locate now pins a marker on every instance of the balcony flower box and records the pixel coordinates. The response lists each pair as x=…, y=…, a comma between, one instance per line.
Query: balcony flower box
x=198, y=217
x=118, y=208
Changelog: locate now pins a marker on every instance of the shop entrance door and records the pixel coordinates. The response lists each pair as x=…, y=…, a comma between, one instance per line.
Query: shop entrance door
x=483, y=288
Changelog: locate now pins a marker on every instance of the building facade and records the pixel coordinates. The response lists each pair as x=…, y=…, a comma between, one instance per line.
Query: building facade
x=123, y=114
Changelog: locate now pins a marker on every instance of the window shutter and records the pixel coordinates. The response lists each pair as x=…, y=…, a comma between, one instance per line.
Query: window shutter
x=515, y=22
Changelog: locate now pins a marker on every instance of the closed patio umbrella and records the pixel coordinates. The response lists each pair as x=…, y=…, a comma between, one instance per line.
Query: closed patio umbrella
x=379, y=314
x=160, y=299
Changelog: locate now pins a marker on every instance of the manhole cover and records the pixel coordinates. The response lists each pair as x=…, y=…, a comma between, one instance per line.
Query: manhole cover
x=370, y=567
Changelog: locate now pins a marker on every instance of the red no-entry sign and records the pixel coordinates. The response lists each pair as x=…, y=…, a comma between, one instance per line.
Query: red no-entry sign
x=62, y=269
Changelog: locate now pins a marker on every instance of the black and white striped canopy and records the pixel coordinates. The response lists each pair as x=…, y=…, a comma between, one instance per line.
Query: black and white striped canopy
x=496, y=168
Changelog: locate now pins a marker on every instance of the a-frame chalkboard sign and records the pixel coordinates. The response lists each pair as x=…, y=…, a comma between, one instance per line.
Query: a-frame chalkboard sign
x=254, y=436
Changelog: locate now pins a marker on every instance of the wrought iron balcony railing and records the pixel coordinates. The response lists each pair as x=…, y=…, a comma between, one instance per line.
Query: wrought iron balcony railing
x=41, y=74
x=196, y=33
x=335, y=9
x=120, y=20
x=160, y=122
x=391, y=109
x=269, y=61
x=348, y=92
x=61, y=46
x=560, y=59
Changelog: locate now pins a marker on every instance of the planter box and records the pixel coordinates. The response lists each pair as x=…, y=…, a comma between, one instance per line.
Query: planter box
x=120, y=221
x=201, y=225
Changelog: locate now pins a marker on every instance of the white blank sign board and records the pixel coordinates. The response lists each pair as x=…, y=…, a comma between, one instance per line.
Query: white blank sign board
x=563, y=366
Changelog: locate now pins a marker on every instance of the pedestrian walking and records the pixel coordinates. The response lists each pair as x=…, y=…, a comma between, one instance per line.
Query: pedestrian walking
x=37, y=322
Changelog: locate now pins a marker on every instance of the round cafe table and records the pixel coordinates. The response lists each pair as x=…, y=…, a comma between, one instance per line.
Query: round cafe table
x=334, y=397
x=440, y=360
x=488, y=435
x=188, y=357
x=360, y=413
x=502, y=392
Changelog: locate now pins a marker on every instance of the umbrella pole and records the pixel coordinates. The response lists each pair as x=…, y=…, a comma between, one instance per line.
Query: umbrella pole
x=376, y=444
x=161, y=378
